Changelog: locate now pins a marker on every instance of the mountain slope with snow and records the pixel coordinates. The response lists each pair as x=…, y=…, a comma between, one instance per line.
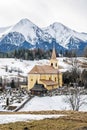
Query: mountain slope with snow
x=62, y=36
x=28, y=29
x=31, y=32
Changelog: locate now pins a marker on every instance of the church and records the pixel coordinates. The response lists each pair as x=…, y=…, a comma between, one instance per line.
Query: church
x=46, y=77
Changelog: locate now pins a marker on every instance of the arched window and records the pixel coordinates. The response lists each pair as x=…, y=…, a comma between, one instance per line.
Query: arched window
x=56, y=64
x=49, y=78
x=55, y=78
x=51, y=64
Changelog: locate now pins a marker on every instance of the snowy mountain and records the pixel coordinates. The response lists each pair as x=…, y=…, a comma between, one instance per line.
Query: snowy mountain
x=11, y=41
x=28, y=29
x=25, y=34
x=64, y=35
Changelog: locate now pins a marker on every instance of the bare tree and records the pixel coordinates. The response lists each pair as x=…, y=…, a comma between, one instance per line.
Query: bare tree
x=76, y=98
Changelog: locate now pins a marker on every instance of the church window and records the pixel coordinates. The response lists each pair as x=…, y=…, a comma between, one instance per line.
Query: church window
x=51, y=64
x=56, y=64
x=49, y=78
x=55, y=78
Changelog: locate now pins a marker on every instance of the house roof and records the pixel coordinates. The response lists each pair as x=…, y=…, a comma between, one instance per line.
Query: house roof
x=48, y=82
x=46, y=69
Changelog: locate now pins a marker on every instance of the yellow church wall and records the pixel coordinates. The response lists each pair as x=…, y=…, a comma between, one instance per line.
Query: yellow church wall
x=42, y=76
x=53, y=77
x=54, y=62
x=32, y=78
x=60, y=80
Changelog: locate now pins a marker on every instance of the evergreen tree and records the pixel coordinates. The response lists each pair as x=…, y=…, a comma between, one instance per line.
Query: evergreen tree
x=85, y=51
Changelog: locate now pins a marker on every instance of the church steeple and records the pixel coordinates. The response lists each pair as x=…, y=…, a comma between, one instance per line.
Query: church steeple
x=53, y=60
x=53, y=54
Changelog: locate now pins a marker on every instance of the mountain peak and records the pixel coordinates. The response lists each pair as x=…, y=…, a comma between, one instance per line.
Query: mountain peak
x=28, y=29
x=24, y=21
x=57, y=25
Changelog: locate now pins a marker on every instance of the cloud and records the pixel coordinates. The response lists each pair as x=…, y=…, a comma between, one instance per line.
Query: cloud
x=44, y=12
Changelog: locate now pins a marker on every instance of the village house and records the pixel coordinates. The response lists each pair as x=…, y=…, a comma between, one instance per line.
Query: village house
x=46, y=77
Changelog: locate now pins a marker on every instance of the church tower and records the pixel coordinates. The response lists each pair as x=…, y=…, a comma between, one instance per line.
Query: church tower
x=53, y=60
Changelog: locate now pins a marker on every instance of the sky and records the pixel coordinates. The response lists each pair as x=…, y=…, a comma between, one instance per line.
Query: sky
x=72, y=13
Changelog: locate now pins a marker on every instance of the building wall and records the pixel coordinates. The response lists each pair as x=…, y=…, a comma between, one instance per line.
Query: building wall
x=54, y=63
x=60, y=80
x=32, y=78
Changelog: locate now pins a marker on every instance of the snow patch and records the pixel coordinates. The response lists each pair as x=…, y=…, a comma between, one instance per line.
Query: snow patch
x=4, y=119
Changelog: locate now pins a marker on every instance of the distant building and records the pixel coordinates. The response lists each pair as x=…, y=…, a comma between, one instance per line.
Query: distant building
x=47, y=76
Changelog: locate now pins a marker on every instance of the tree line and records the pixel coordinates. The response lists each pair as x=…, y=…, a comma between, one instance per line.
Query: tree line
x=75, y=78
x=26, y=54
x=38, y=53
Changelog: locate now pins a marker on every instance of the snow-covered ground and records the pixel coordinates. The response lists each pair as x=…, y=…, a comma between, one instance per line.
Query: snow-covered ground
x=46, y=103
x=4, y=119
x=14, y=65
x=51, y=103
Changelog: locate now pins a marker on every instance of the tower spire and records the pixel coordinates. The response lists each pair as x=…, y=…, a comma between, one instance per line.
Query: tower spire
x=53, y=60
x=53, y=53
